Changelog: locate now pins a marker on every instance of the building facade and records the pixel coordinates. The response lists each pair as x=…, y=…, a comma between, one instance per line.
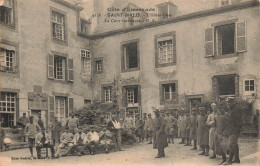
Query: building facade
x=45, y=64
x=180, y=61
x=54, y=61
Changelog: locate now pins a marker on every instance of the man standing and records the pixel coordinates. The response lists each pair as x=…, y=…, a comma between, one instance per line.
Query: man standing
x=149, y=128
x=183, y=127
x=31, y=129
x=221, y=122
x=43, y=140
x=160, y=136
x=72, y=123
x=193, y=128
x=179, y=126
x=39, y=120
x=211, y=123
x=56, y=131
x=234, y=126
x=203, y=132
x=22, y=122
x=114, y=127
x=187, y=127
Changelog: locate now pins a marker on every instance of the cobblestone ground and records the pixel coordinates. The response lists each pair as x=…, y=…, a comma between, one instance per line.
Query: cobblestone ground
x=140, y=154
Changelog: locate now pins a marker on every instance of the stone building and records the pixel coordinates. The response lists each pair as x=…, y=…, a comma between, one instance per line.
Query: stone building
x=169, y=54
x=208, y=53
x=45, y=64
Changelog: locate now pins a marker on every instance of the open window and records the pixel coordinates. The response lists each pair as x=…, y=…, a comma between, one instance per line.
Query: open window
x=8, y=57
x=130, y=58
x=169, y=92
x=225, y=39
x=7, y=12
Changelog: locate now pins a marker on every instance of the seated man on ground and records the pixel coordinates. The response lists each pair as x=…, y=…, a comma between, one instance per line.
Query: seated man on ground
x=92, y=140
x=105, y=139
x=43, y=140
x=66, y=140
x=80, y=142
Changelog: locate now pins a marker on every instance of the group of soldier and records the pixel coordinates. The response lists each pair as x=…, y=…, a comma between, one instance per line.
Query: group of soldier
x=74, y=140
x=217, y=130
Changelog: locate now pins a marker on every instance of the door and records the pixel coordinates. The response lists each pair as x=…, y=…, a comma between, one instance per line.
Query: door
x=193, y=102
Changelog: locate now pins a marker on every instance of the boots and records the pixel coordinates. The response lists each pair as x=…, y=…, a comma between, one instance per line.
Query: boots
x=203, y=150
x=207, y=150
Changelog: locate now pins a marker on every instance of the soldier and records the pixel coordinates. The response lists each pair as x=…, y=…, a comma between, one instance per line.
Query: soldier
x=72, y=122
x=193, y=128
x=203, y=132
x=169, y=127
x=220, y=132
x=183, y=129
x=187, y=127
x=211, y=123
x=114, y=127
x=149, y=127
x=160, y=136
x=56, y=131
x=22, y=122
x=234, y=126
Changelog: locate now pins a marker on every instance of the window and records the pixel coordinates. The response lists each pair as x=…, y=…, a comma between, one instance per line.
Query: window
x=166, y=10
x=249, y=85
x=86, y=61
x=60, y=67
x=84, y=26
x=58, y=26
x=168, y=92
x=165, y=46
x=165, y=51
x=87, y=101
x=8, y=60
x=8, y=108
x=7, y=12
x=225, y=86
x=85, y=53
x=224, y=2
x=60, y=109
x=99, y=64
x=132, y=96
x=225, y=39
x=130, y=59
x=108, y=94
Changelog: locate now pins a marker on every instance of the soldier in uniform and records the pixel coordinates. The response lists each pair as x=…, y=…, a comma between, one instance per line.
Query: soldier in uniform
x=234, y=126
x=193, y=128
x=170, y=127
x=183, y=128
x=220, y=132
x=211, y=123
x=203, y=132
x=160, y=141
x=187, y=129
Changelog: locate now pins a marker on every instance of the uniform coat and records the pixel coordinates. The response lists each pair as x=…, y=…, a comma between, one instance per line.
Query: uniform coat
x=183, y=127
x=193, y=127
x=187, y=127
x=211, y=123
x=160, y=140
x=203, y=130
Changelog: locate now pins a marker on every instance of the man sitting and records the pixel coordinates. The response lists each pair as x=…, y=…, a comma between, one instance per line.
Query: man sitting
x=80, y=142
x=92, y=139
x=66, y=140
x=105, y=139
x=43, y=140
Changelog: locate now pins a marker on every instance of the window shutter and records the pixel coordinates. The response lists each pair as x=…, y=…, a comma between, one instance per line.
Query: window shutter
x=71, y=106
x=209, y=45
x=174, y=46
x=124, y=97
x=51, y=108
x=139, y=95
x=241, y=36
x=51, y=67
x=102, y=94
x=70, y=70
x=236, y=85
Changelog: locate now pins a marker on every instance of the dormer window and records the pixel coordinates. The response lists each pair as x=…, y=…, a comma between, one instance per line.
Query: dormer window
x=84, y=26
x=166, y=10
